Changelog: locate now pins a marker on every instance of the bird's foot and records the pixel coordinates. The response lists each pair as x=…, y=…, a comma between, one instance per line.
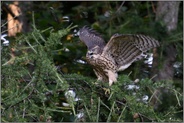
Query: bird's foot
x=107, y=91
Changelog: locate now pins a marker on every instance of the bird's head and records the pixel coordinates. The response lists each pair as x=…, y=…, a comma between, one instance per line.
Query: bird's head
x=93, y=53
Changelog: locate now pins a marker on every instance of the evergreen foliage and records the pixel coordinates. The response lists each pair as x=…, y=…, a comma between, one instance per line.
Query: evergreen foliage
x=28, y=76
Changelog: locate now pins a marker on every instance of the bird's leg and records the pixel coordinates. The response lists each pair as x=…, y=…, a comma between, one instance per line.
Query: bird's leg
x=112, y=76
x=99, y=76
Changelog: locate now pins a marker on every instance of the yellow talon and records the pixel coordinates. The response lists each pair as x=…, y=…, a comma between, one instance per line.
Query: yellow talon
x=107, y=91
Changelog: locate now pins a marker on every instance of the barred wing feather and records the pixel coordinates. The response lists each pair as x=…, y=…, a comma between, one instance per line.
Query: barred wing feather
x=91, y=38
x=126, y=49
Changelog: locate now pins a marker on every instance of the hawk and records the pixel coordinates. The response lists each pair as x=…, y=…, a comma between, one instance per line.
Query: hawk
x=117, y=55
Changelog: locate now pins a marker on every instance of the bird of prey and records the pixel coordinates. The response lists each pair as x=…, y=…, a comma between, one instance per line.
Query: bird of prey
x=117, y=55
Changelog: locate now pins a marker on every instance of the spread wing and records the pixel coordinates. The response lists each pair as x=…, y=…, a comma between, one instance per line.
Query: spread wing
x=125, y=49
x=91, y=38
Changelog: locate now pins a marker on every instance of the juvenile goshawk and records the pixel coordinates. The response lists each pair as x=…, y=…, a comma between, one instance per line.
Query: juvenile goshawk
x=117, y=55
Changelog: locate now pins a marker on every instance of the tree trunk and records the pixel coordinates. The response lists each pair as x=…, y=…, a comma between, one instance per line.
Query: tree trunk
x=17, y=22
x=167, y=12
x=14, y=23
x=16, y=19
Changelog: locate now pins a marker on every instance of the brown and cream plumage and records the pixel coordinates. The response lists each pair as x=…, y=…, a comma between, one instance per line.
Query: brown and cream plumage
x=117, y=55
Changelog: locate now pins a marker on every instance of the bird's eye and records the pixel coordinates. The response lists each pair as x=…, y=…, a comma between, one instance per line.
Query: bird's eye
x=91, y=53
